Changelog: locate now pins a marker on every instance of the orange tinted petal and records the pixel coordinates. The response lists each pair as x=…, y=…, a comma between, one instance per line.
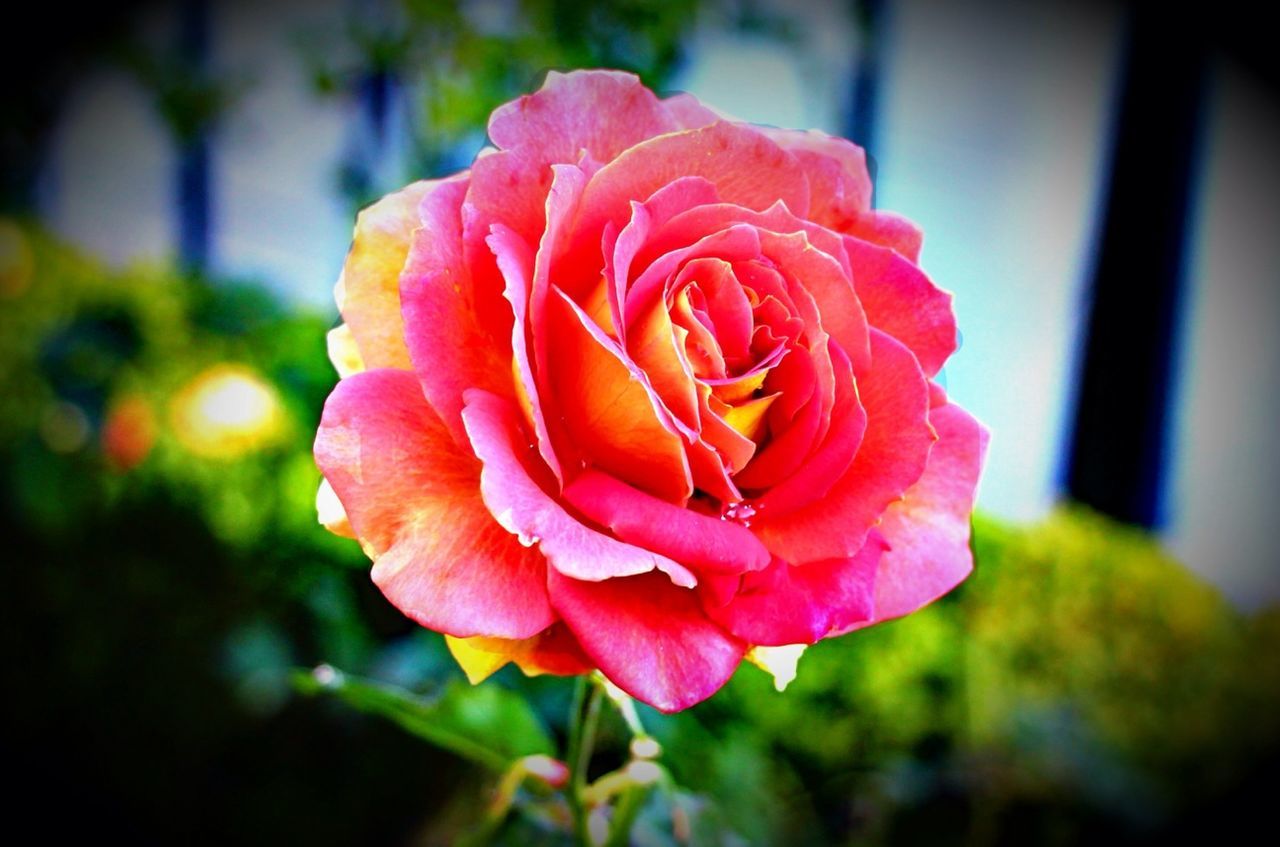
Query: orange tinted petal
x=608, y=408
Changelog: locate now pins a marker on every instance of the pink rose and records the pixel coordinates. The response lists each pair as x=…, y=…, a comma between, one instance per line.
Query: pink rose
x=642, y=390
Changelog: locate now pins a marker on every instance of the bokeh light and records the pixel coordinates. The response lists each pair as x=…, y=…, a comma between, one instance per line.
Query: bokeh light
x=225, y=412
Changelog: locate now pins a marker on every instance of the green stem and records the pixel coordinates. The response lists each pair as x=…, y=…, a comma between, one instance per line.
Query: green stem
x=582, y=735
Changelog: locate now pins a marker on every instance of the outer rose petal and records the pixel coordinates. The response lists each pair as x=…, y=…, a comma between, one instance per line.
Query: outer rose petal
x=552, y=651
x=524, y=508
x=889, y=460
x=329, y=511
x=649, y=637
x=343, y=352
x=802, y=604
x=841, y=191
x=690, y=113
x=368, y=291
x=889, y=230
x=928, y=529
x=451, y=339
x=596, y=113
x=413, y=500
x=602, y=112
x=900, y=300
x=837, y=173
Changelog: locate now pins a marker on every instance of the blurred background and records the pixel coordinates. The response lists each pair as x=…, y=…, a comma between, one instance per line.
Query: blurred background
x=1096, y=183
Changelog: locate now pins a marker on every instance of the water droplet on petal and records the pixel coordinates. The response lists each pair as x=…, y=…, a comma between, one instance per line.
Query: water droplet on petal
x=740, y=512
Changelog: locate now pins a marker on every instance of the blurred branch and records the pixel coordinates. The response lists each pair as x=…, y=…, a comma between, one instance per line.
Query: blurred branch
x=485, y=725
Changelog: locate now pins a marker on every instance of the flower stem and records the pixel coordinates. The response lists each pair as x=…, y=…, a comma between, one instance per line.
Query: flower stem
x=582, y=734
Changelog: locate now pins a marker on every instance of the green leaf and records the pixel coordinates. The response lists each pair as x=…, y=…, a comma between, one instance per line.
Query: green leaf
x=488, y=725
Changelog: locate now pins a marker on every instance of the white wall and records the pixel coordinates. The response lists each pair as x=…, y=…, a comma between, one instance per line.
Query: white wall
x=277, y=213
x=1225, y=461
x=992, y=137
x=109, y=187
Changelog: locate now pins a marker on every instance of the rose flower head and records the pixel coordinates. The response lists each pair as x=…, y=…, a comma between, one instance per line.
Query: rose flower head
x=645, y=389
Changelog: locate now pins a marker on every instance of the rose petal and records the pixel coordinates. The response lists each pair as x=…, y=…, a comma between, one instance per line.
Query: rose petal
x=747, y=419
x=728, y=308
x=674, y=198
x=511, y=490
x=840, y=312
x=928, y=529
x=735, y=244
x=779, y=662
x=343, y=351
x=608, y=407
x=736, y=448
x=329, y=511
x=368, y=290
x=516, y=265
x=889, y=460
x=510, y=188
x=783, y=455
x=711, y=470
x=701, y=349
x=901, y=301
x=736, y=389
x=567, y=184
x=649, y=637
x=552, y=651
x=450, y=335
x=653, y=345
x=840, y=190
x=698, y=222
x=601, y=112
x=698, y=540
x=837, y=172
x=816, y=474
x=745, y=167
x=689, y=113
x=801, y=604
x=579, y=117
x=889, y=230
x=413, y=500
x=818, y=346
x=937, y=395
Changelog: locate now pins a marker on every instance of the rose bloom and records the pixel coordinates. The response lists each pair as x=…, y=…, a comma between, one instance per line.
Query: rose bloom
x=644, y=390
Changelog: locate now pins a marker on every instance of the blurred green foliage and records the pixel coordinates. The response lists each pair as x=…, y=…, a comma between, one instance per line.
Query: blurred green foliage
x=450, y=64
x=1080, y=685
x=1080, y=681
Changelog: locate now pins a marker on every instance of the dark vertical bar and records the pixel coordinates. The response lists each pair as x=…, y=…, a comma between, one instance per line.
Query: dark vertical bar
x=194, y=153
x=1120, y=434
x=865, y=90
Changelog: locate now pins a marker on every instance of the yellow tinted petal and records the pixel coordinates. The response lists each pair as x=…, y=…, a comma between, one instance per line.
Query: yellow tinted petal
x=778, y=662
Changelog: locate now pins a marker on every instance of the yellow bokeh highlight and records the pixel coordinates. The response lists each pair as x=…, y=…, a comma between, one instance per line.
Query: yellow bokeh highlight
x=226, y=412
